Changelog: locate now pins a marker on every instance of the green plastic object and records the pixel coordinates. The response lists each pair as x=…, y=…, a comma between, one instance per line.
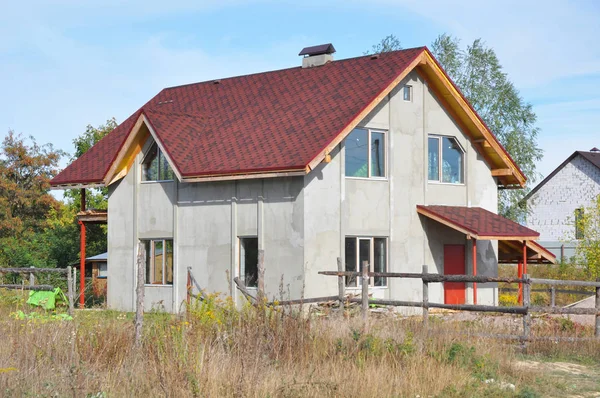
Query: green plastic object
x=46, y=299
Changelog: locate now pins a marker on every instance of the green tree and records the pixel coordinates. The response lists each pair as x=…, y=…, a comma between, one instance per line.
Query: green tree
x=476, y=70
x=387, y=44
x=587, y=234
x=25, y=202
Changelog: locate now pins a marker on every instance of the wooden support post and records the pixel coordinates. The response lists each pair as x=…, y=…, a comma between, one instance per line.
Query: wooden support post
x=70, y=290
x=82, y=265
x=261, y=277
x=474, y=255
x=341, y=285
x=31, y=277
x=552, y=296
x=188, y=287
x=520, y=275
x=139, y=292
x=365, y=290
x=425, y=299
x=597, y=329
x=526, y=304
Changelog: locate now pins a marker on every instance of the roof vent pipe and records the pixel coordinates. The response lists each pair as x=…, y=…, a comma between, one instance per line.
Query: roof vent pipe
x=317, y=55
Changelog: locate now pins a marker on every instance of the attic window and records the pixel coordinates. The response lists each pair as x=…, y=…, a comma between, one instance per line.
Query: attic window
x=407, y=93
x=155, y=166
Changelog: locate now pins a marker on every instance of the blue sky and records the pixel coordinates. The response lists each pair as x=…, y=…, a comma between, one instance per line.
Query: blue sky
x=66, y=63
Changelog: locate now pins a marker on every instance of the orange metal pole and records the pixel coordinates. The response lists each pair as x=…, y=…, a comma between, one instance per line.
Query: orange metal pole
x=82, y=251
x=524, y=257
x=474, y=270
x=520, y=275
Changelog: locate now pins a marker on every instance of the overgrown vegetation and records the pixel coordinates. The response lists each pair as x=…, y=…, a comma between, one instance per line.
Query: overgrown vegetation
x=218, y=350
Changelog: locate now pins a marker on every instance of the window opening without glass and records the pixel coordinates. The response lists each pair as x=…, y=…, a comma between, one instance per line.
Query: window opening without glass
x=249, y=261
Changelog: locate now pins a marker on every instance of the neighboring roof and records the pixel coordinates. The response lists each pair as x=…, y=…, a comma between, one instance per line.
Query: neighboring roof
x=592, y=156
x=98, y=257
x=285, y=121
x=478, y=223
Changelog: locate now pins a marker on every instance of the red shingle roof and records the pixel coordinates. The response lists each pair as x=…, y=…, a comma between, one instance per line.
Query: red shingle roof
x=269, y=121
x=477, y=222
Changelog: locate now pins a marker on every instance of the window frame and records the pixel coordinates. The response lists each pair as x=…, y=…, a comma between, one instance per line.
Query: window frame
x=369, y=150
x=410, y=93
x=439, y=181
x=242, y=271
x=150, y=257
x=358, y=283
x=159, y=154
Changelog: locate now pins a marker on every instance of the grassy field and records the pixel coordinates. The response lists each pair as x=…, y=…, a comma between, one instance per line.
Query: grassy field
x=217, y=350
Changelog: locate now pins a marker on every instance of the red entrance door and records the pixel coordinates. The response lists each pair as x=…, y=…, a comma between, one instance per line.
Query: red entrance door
x=454, y=264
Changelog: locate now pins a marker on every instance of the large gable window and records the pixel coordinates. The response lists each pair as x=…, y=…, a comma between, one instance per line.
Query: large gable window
x=445, y=159
x=155, y=166
x=365, y=154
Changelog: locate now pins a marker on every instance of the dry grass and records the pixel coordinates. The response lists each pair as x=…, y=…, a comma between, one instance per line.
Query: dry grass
x=220, y=351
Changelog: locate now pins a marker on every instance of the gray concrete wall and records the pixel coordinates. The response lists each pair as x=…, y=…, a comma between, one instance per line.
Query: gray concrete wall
x=301, y=222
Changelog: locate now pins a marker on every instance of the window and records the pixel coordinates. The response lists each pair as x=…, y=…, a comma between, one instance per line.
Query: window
x=102, y=270
x=579, y=224
x=372, y=250
x=159, y=261
x=445, y=159
x=365, y=154
x=407, y=93
x=249, y=261
x=155, y=166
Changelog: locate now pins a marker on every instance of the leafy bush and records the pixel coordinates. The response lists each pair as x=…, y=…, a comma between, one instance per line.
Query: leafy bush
x=508, y=300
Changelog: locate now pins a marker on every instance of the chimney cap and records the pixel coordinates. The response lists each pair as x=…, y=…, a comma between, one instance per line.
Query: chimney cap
x=318, y=50
x=594, y=149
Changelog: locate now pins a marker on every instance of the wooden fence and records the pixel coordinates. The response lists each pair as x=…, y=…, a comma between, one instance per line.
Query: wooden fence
x=31, y=271
x=526, y=309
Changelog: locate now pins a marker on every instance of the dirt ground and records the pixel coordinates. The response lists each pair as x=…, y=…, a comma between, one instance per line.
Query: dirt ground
x=577, y=381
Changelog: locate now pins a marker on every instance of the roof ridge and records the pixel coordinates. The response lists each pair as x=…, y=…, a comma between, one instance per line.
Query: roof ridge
x=210, y=81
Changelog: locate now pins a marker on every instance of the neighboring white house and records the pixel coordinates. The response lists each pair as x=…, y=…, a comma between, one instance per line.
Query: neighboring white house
x=556, y=202
x=376, y=158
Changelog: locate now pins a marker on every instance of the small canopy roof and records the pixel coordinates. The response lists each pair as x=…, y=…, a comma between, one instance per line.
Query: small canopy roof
x=478, y=223
x=93, y=216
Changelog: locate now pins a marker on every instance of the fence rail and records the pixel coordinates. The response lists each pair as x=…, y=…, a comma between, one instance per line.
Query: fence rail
x=32, y=286
x=526, y=309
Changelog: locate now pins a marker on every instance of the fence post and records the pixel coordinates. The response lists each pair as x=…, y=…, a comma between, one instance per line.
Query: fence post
x=365, y=290
x=341, y=287
x=553, y=296
x=526, y=304
x=31, y=277
x=425, y=299
x=597, y=329
x=261, y=277
x=70, y=290
x=139, y=291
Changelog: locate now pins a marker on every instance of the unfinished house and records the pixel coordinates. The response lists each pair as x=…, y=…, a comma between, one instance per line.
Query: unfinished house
x=557, y=202
x=377, y=158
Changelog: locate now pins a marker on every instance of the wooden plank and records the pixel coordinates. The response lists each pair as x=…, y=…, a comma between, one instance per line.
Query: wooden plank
x=70, y=289
x=456, y=307
x=501, y=172
x=139, y=292
x=27, y=287
x=341, y=284
x=246, y=176
x=242, y=288
x=565, y=310
x=365, y=291
x=555, y=282
x=34, y=270
x=425, y=298
x=303, y=301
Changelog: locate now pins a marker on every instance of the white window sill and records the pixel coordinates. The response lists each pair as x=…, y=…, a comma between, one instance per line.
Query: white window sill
x=452, y=184
x=367, y=178
x=156, y=181
x=353, y=288
x=156, y=285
